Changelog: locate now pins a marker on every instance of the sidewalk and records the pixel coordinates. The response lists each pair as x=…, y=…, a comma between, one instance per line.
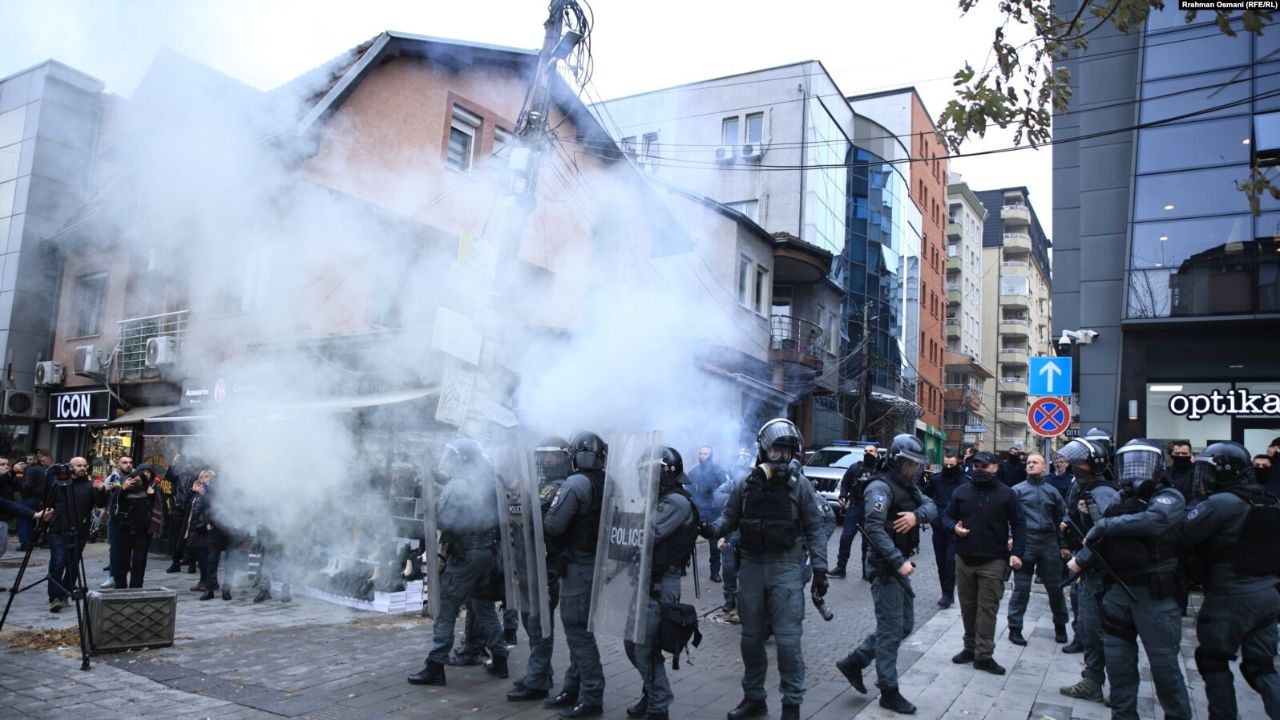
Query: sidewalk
x=942, y=689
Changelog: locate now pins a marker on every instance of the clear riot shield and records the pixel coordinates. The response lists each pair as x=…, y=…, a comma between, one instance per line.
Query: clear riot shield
x=624, y=551
x=524, y=550
x=431, y=531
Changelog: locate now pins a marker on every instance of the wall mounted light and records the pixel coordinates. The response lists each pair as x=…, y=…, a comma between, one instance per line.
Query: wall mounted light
x=1133, y=409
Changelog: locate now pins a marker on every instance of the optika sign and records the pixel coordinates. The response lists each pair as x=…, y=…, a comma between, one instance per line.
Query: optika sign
x=1232, y=402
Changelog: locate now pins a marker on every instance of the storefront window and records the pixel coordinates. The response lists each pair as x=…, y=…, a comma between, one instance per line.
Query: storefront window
x=1165, y=425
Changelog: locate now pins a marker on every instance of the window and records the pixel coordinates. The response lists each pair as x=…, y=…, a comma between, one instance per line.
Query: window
x=1191, y=145
x=744, y=277
x=1191, y=193
x=755, y=128
x=750, y=208
x=833, y=333
x=629, y=146
x=1164, y=99
x=462, y=139
x=1266, y=138
x=501, y=139
x=762, y=282
x=650, y=148
x=953, y=249
x=1193, y=50
x=729, y=131
x=1014, y=285
x=90, y=292
x=782, y=300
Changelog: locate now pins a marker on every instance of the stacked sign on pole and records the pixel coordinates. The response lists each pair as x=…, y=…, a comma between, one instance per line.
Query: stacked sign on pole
x=1050, y=381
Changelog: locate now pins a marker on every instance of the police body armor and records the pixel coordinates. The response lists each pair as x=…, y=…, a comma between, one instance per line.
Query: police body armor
x=767, y=524
x=546, y=495
x=902, y=500
x=1136, y=557
x=1084, y=521
x=584, y=532
x=1257, y=551
x=676, y=550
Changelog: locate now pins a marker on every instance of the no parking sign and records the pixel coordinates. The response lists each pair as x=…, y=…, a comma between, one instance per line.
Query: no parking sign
x=1049, y=416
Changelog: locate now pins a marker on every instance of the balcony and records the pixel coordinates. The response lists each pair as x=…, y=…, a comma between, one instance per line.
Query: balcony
x=1016, y=300
x=134, y=333
x=1013, y=414
x=1018, y=268
x=795, y=340
x=956, y=394
x=954, y=263
x=953, y=231
x=1016, y=214
x=1016, y=327
x=953, y=328
x=1016, y=243
x=954, y=294
x=1013, y=384
x=1013, y=355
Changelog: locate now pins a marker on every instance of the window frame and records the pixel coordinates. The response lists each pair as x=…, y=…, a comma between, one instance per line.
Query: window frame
x=734, y=136
x=81, y=295
x=467, y=123
x=746, y=128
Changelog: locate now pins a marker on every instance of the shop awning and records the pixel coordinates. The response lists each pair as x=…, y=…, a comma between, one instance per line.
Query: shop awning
x=344, y=403
x=142, y=414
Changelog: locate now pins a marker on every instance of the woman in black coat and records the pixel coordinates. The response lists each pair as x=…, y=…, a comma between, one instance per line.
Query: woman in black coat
x=134, y=506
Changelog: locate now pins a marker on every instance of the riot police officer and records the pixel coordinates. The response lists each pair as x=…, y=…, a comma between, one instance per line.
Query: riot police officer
x=553, y=466
x=468, y=517
x=777, y=513
x=893, y=508
x=1138, y=539
x=1234, y=536
x=573, y=523
x=1091, y=496
x=674, y=532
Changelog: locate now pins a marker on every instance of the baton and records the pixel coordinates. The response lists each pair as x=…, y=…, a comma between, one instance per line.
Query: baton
x=1102, y=562
x=885, y=561
x=697, y=585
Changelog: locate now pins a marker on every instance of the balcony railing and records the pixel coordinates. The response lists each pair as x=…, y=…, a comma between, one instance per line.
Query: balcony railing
x=1016, y=263
x=796, y=340
x=135, y=332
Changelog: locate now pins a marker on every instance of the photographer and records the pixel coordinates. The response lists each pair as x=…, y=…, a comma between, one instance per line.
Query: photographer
x=132, y=517
x=73, y=505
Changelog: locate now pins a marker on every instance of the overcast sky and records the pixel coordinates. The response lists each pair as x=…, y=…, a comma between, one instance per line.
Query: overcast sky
x=638, y=45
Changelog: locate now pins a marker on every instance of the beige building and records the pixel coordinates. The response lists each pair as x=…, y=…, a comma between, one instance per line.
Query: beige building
x=1017, y=317
x=968, y=417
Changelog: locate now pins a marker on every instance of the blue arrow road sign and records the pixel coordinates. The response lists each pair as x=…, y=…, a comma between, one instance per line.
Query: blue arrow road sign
x=1050, y=376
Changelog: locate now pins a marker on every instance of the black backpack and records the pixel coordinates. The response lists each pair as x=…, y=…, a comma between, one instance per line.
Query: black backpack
x=677, y=628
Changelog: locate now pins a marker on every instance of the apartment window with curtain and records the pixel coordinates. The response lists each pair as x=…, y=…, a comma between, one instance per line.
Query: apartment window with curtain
x=744, y=279
x=463, y=127
x=762, y=292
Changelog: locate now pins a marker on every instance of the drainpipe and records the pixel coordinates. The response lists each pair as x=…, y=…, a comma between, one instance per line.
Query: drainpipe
x=804, y=125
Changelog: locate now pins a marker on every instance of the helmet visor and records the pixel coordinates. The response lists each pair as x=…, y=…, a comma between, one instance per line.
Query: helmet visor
x=552, y=463
x=1075, y=453
x=1204, y=475
x=1137, y=465
x=782, y=433
x=909, y=469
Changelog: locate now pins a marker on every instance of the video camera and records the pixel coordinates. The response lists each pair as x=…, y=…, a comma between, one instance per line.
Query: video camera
x=59, y=473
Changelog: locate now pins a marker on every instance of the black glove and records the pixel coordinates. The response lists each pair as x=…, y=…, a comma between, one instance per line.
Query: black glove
x=707, y=530
x=820, y=583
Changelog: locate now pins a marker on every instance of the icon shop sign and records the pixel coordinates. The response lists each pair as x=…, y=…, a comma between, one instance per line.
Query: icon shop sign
x=80, y=407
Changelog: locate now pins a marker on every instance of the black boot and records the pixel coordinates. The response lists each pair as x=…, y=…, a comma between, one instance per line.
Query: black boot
x=226, y=592
x=1015, y=636
x=521, y=693
x=498, y=667
x=640, y=709
x=582, y=711
x=191, y=569
x=263, y=594
x=790, y=712
x=852, y=671
x=891, y=699
x=431, y=674
x=567, y=697
x=175, y=567
x=749, y=708
x=208, y=592
x=1075, y=646
x=1060, y=633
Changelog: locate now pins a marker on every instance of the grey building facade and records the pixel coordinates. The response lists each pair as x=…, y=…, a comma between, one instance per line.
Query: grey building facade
x=1155, y=248
x=49, y=121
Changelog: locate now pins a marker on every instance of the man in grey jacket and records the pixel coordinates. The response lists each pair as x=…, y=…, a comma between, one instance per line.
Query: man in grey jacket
x=1043, y=510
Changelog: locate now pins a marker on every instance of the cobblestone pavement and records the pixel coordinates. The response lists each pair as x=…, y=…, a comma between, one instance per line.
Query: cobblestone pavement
x=315, y=660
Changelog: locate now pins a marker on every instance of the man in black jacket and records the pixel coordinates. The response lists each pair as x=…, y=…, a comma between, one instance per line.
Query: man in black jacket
x=1014, y=469
x=1181, y=470
x=983, y=514
x=73, y=516
x=32, y=489
x=851, y=499
x=940, y=487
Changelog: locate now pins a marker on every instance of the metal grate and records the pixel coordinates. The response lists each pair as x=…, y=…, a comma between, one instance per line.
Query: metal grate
x=135, y=332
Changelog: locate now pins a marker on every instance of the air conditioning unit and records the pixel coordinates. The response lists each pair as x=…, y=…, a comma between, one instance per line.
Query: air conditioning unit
x=50, y=373
x=19, y=403
x=88, y=361
x=162, y=350
x=752, y=151
x=724, y=153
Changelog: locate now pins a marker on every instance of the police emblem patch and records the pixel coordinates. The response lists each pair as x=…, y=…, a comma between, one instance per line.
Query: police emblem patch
x=879, y=503
x=1164, y=500
x=1193, y=513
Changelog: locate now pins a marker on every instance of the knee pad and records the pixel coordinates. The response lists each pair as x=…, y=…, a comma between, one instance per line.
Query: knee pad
x=1209, y=663
x=1252, y=669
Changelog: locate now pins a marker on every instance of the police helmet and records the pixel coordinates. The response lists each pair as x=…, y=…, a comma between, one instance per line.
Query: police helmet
x=1080, y=453
x=1222, y=465
x=458, y=455
x=669, y=465
x=779, y=432
x=552, y=459
x=1139, y=466
x=587, y=451
x=1103, y=440
x=906, y=457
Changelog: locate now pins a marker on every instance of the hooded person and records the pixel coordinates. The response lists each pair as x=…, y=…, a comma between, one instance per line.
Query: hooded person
x=703, y=480
x=940, y=487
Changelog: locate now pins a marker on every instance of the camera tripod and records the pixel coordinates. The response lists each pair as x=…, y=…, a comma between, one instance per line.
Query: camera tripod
x=63, y=495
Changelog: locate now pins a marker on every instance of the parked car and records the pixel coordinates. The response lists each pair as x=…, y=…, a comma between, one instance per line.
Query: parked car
x=826, y=467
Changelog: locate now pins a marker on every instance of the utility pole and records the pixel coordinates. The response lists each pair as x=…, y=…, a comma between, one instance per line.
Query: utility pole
x=864, y=383
x=531, y=128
